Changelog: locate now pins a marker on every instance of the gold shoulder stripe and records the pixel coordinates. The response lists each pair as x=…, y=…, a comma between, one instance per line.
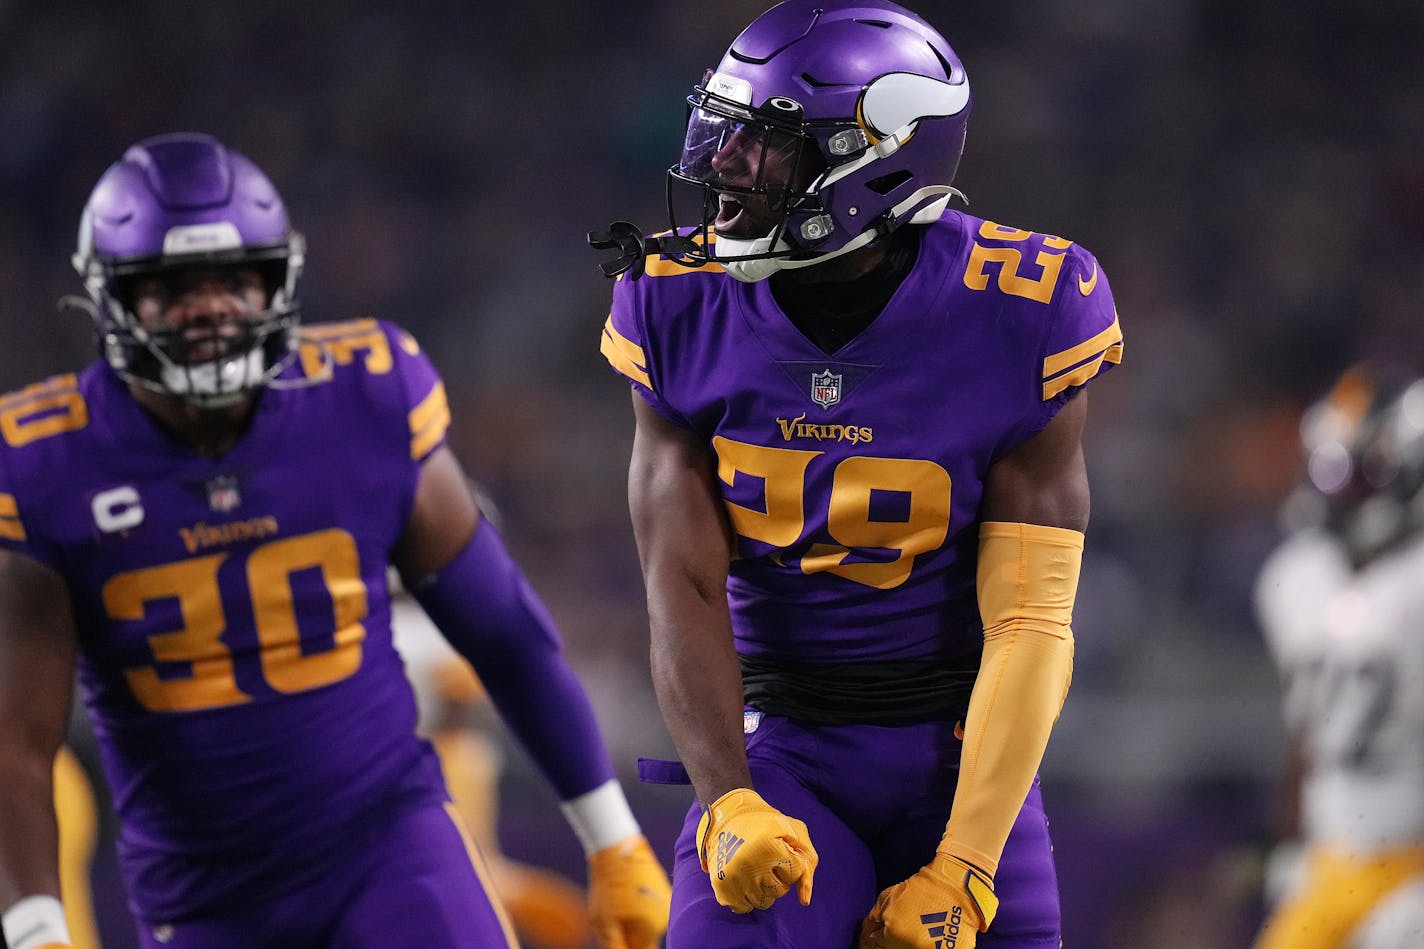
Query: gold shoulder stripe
x=624, y=355
x=1083, y=373
x=1057, y=363
x=11, y=527
x=428, y=422
x=662, y=267
x=1088, y=369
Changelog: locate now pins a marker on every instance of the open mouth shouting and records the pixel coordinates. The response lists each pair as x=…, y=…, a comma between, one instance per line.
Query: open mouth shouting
x=743, y=216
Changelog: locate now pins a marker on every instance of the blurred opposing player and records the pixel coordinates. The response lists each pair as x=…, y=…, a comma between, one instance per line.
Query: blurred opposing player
x=455, y=715
x=202, y=521
x=859, y=492
x=1341, y=603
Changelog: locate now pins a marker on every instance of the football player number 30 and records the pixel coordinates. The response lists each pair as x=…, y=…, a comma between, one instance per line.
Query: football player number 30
x=922, y=486
x=197, y=665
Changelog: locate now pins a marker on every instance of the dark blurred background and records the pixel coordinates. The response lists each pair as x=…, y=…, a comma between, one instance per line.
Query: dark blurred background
x=1250, y=174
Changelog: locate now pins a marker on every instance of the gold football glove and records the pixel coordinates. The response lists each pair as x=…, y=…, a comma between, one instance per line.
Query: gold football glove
x=628, y=895
x=753, y=852
x=947, y=903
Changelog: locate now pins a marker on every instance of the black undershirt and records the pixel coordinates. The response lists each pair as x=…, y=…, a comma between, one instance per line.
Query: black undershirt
x=860, y=693
x=831, y=314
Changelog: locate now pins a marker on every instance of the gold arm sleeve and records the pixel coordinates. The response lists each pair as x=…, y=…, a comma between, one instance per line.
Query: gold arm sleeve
x=1027, y=581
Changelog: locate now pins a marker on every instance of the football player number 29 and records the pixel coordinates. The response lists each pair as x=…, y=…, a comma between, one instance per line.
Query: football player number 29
x=197, y=667
x=862, y=543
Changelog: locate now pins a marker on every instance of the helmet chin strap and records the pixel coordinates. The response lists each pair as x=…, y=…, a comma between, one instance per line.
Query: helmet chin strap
x=758, y=258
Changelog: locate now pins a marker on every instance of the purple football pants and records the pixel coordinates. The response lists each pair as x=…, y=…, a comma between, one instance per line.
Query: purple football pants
x=411, y=881
x=875, y=800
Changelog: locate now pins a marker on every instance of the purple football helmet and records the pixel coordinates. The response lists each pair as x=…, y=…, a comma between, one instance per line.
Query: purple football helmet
x=183, y=201
x=1364, y=459
x=864, y=92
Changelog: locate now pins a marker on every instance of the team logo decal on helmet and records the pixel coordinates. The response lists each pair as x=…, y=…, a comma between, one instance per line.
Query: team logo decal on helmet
x=176, y=202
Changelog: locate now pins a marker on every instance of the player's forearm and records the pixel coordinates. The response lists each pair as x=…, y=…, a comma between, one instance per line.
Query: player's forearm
x=29, y=839
x=546, y=708
x=1027, y=581
x=699, y=686
x=484, y=606
x=37, y=648
x=1023, y=679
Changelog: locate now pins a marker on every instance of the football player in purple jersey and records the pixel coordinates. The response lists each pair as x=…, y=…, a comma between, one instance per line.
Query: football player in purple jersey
x=859, y=496
x=200, y=522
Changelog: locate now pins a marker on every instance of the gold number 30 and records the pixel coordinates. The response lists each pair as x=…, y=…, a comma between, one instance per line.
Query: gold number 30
x=782, y=471
x=197, y=648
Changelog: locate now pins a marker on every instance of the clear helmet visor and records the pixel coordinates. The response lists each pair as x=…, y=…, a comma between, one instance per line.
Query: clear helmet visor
x=732, y=150
x=708, y=133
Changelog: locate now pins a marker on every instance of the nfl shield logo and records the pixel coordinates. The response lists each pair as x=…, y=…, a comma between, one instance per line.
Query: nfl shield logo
x=222, y=494
x=825, y=388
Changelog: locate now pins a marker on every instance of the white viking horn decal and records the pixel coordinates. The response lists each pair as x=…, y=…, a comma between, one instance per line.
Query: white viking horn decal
x=896, y=99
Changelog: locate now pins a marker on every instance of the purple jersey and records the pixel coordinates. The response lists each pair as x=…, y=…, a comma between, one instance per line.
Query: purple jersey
x=853, y=481
x=233, y=613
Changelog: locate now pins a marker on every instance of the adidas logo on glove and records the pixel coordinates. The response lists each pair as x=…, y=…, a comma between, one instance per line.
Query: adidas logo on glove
x=727, y=846
x=944, y=927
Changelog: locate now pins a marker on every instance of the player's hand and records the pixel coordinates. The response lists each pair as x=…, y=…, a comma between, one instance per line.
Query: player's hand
x=946, y=898
x=628, y=895
x=753, y=852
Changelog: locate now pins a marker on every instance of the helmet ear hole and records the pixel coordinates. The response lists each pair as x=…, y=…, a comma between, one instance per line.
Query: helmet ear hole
x=888, y=183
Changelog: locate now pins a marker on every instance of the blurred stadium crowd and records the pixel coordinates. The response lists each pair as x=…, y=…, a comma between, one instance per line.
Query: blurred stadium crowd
x=1250, y=175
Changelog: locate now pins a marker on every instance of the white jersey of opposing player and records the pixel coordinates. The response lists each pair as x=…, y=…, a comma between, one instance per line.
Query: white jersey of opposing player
x=1350, y=647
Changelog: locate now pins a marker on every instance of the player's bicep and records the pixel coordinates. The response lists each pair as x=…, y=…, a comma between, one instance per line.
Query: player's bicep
x=38, y=643
x=678, y=517
x=1045, y=479
x=442, y=518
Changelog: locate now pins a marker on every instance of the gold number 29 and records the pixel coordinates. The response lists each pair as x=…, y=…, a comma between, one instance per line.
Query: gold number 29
x=924, y=485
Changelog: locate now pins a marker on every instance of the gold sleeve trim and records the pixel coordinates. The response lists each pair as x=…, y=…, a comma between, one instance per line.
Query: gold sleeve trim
x=428, y=422
x=1107, y=338
x=1104, y=347
x=624, y=355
